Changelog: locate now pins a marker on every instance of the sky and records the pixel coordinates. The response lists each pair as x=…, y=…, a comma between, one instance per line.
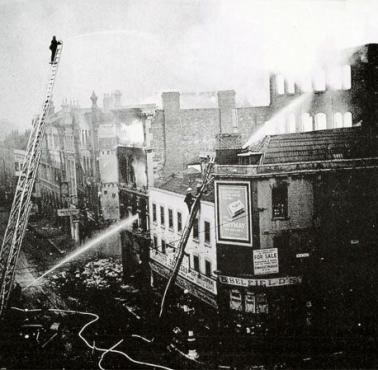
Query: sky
x=144, y=47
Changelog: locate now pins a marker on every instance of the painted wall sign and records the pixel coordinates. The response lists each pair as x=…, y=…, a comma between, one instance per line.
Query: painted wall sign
x=233, y=212
x=265, y=261
x=285, y=280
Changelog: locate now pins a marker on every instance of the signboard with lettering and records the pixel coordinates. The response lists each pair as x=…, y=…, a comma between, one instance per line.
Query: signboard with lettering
x=201, y=294
x=233, y=212
x=265, y=261
x=284, y=280
x=68, y=212
x=167, y=260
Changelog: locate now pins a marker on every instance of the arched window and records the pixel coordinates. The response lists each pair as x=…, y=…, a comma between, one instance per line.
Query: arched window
x=337, y=120
x=307, y=123
x=320, y=121
x=280, y=85
x=348, y=119
x=346, y=77
x=291, y=123
x=319, y=80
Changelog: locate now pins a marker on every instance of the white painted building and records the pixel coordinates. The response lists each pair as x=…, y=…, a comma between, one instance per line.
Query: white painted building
x=168, y=216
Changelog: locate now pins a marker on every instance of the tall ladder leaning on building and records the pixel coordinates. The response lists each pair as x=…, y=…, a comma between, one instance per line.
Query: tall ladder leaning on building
x=186, y=233
x=19, y=214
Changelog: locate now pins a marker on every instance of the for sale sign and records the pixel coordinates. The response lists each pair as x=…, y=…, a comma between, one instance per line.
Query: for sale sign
x=233, y=210
x=265, y=261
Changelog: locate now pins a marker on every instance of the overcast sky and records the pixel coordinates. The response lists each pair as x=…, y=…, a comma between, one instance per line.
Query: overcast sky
x=144, y=47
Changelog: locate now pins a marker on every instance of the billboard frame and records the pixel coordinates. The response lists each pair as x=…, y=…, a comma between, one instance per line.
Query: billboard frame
x=232, y=241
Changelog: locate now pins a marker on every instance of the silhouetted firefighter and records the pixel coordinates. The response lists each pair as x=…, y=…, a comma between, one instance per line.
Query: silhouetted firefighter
x=53, y=46
x=189, y=199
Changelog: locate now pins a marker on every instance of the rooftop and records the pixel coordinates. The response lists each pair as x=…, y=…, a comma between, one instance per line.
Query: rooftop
x=342, y=143
x=180, y=185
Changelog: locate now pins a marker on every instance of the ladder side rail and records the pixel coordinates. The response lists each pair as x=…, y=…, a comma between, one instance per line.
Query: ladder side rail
x=21, y=205
x=184, y=240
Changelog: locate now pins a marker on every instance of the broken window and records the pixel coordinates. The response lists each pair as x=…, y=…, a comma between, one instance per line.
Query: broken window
x=280, y=201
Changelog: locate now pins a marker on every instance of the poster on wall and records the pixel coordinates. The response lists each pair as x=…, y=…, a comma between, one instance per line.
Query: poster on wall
x=233, y=212
x=265, y=261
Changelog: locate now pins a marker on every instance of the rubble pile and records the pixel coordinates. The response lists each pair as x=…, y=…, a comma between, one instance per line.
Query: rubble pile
x=101, y=274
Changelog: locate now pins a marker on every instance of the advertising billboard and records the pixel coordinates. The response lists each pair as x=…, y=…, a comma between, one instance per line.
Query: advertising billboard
x=265, y=261
x=233, y=212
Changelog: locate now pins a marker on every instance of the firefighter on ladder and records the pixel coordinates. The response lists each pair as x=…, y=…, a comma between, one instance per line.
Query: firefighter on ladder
x=53, y=47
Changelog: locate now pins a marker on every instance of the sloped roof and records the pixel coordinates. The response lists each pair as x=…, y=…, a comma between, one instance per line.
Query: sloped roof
x=342, y=143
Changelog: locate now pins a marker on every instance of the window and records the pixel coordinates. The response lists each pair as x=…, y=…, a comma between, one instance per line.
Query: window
x=207, y=232
x=170, y=218
x=291, y=123
x=196, y=263
x=153, y=212
x=279, y=201
x=208, y=268
x=155, y=242
x=179, y=222
x=320, y=121
x=290, y=86
x=163, y=246
x=162, y=219
x=195, y=229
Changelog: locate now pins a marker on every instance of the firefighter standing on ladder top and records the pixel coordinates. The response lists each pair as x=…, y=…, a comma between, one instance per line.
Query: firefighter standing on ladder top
x=53, y=46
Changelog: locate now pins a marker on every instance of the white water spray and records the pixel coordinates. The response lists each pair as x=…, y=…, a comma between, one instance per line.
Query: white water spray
x=90, y=244
x=275, y=125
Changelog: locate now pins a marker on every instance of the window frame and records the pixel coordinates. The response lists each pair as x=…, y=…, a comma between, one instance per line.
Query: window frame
x=207, y=240
x=277, y=203
x=162, y=216
x=208, y=272
x=196, y=227
x=170, y=218
x=179, y=230
x=196, y=266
